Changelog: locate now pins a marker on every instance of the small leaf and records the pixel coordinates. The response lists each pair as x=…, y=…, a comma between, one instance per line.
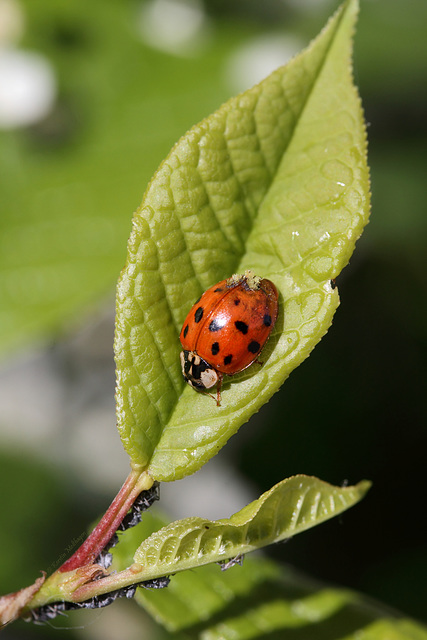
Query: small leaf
x=276, y=180
x=290, y=507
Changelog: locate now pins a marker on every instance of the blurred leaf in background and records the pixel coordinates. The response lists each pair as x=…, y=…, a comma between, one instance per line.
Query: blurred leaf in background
x=68, y=185
x=70, y=181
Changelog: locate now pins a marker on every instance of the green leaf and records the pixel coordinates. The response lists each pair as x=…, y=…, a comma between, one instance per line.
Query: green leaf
x=263, y=599
x=290, y=507
x=276, y=180
x=195, y=597
x=329, y=613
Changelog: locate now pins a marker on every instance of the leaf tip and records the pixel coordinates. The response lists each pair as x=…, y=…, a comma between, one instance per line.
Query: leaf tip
x=363, y=487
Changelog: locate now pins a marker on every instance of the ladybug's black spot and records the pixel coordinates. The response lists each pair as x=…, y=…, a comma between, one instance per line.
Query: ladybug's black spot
x=254, y=346
x=267, y=320
x=218, y=290
x=215, y=348
x=185, y=331
x=198, y=315
x=215, y=326
x=241, y=326
x=228, y=359
x=236, y=301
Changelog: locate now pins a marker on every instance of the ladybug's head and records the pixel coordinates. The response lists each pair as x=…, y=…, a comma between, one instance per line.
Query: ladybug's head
x=197, y=372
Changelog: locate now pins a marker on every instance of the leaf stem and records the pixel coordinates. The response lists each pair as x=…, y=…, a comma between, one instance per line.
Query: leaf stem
x=136, y=482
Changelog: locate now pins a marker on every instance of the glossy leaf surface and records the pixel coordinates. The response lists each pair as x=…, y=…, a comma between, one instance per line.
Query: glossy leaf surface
x=290, y=507
x=276, y=181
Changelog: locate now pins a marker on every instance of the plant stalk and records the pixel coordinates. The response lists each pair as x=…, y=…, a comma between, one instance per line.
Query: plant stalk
x=136, y=482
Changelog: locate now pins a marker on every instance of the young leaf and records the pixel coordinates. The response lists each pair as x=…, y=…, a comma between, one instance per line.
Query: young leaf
x=290, y=507
x=276, y=181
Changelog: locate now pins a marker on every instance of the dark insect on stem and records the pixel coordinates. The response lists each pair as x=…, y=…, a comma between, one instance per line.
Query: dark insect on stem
x=50, y=611
x=141, y=504
x=227, y=564
x=132, y=518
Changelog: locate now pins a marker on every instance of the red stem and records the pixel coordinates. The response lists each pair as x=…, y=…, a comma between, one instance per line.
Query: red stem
x=107, y=526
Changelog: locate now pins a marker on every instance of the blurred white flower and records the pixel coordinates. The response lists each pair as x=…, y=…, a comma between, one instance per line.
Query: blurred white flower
x=255, y=60
x=179, y=27
x=27, y=88
x=31, y=399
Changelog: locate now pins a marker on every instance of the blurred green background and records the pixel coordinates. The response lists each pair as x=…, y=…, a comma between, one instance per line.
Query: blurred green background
x=102, y=90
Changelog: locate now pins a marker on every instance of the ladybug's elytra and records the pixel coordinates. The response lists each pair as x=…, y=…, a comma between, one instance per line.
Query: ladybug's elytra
x=226, y=329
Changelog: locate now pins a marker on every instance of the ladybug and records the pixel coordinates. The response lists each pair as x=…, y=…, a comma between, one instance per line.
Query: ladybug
x=226, y=329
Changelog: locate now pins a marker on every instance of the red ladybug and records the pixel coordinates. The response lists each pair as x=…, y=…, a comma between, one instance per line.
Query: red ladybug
x=226, y=329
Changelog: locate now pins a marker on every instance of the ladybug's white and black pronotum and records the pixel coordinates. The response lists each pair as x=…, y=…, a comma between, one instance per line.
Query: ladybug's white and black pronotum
x=226, y=329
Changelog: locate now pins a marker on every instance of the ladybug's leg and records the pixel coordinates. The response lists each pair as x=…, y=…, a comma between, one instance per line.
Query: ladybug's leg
x=206, y=393
x=218, y=391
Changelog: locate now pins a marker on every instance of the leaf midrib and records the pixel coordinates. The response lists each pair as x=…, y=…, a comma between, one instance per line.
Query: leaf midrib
x=339, y=19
